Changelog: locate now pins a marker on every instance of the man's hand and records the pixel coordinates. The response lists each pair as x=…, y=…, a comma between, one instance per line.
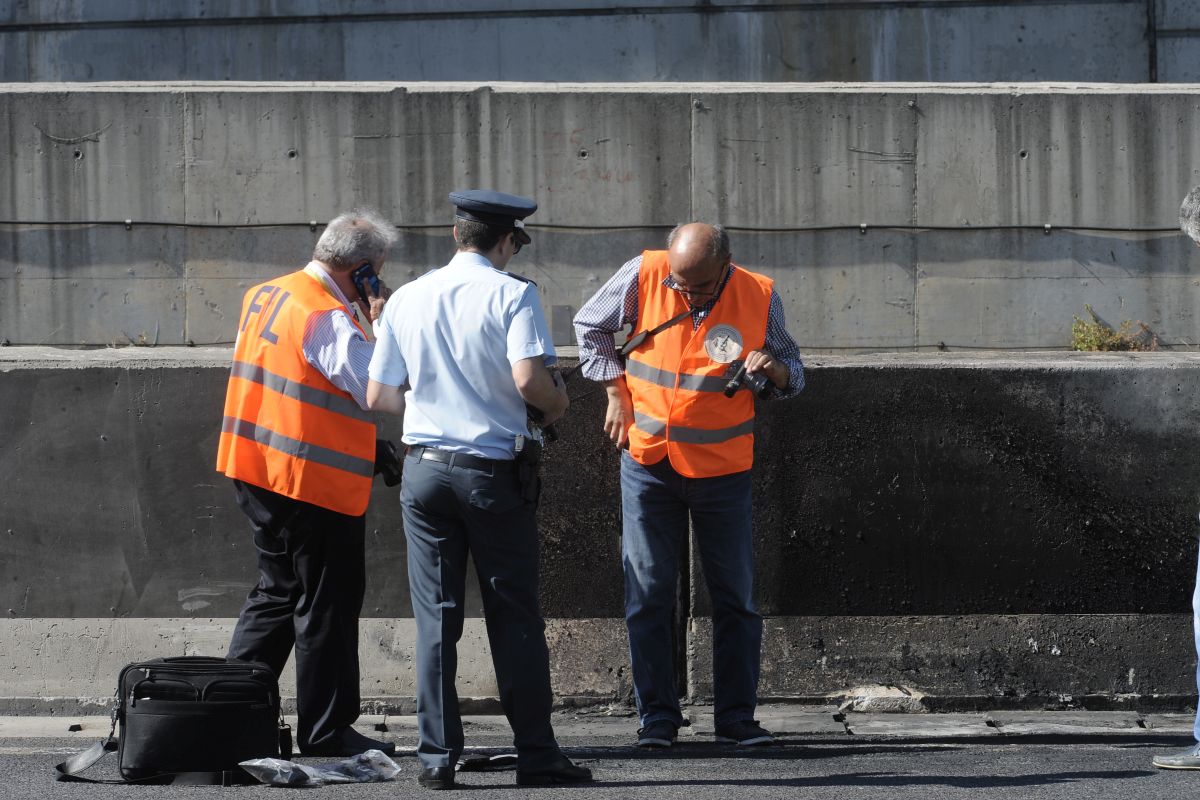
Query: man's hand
x=618, y=418
x=374, y=309
x=761, y=361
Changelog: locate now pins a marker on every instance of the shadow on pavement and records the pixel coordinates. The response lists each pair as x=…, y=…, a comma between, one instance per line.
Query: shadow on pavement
x=883, y=779
x=690, y=752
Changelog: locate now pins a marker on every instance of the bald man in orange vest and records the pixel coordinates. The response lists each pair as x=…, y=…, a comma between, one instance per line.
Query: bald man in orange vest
x=709, y=336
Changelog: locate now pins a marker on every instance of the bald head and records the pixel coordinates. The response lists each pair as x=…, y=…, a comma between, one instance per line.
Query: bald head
x=697, y=254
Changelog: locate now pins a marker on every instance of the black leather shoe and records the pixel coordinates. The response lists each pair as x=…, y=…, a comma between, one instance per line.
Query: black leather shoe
x=561, y=771
x=436, y=777
x=348, y=742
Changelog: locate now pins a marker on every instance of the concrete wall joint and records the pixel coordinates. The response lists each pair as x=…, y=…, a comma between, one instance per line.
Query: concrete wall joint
x=861, y=227
x=507, y=11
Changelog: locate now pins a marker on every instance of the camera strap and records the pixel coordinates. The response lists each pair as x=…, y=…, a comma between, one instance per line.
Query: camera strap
x=637, y=339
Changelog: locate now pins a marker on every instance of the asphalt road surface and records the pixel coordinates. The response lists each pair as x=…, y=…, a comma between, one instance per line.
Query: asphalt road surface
x=798, y=766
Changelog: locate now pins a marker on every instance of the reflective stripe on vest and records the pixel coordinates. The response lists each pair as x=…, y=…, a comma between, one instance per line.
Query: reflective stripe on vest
x=297, y=448
x=680, y=410
x=692, y=435
x=287, y=427
x=662, y=377
x=339, y=404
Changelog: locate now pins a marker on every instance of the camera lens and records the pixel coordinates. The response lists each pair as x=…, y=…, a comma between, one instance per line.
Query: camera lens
x=758, y=384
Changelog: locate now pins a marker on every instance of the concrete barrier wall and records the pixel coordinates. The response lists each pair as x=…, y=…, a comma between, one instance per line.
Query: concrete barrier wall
x=892, y=217
x=582, y=40
x=1009, y=530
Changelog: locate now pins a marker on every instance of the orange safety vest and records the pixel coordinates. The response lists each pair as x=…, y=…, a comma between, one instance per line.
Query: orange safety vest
x=677, y=377
x=287, y=427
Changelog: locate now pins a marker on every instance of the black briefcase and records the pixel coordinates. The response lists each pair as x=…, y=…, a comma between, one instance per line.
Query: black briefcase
x=191, y=719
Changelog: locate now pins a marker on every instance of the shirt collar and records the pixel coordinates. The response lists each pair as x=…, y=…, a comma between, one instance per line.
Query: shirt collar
x=317, y=271
x=465, y=258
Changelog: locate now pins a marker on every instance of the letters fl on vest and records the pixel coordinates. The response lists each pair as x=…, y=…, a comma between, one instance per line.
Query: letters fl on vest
x=677, y=384
x=286, y=427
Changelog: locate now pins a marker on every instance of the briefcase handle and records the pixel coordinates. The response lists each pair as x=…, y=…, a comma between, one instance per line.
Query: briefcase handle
x=133, y=693
x=236, y=683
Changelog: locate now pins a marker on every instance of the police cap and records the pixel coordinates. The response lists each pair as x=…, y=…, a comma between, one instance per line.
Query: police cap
x=494, y=208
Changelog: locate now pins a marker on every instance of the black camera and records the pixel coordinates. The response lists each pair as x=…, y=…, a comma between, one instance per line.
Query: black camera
x=387, y=462
x=757, y=383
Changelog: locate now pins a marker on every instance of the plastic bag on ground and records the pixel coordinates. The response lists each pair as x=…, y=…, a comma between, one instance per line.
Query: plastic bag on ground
x=369, y=767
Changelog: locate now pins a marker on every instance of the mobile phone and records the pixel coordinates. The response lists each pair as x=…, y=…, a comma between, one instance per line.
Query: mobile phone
x=363, y=278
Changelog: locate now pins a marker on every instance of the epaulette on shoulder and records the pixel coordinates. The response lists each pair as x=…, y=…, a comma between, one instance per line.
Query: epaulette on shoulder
x=521, y=278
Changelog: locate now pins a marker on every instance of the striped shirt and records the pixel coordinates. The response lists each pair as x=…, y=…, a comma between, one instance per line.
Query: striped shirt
x=335, y=346
x=616, y=305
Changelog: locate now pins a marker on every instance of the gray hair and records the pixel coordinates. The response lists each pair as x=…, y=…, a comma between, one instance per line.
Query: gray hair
x=1189, y=215
x=718, y=244
x=356, y=236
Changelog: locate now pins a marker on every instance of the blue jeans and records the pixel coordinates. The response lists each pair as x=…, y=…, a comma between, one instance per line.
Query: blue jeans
x=655, y=504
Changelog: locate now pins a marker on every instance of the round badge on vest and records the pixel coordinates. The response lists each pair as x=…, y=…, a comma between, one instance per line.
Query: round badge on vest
x=723, y=343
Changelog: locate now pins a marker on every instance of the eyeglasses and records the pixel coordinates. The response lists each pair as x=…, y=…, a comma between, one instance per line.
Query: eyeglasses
x=693, y=292
x=689, y=294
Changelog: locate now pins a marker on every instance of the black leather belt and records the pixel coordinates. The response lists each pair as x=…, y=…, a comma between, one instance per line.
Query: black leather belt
x=492, y=465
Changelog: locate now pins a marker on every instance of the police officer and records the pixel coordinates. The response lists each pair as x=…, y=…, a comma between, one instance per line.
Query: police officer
x=461, y=352
x=300, y=447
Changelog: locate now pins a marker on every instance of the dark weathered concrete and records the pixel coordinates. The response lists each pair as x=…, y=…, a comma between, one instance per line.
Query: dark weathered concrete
x=976, y=491
x=980, y=486
x=149, y=529
x=1015, y=527
x=112, y=506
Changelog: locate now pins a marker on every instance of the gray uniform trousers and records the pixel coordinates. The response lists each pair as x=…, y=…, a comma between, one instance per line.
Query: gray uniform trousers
x=448, y=512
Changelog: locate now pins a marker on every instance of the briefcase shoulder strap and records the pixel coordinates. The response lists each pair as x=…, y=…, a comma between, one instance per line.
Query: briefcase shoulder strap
x=68, y=771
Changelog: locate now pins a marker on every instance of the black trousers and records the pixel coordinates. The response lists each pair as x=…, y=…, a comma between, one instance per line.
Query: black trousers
x=312, y=576
x=452, y=513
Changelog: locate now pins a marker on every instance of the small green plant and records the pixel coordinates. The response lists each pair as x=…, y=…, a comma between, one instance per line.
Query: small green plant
x=1098, y=335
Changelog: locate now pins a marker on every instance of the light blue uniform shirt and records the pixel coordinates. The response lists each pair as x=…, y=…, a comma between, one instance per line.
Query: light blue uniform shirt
x=453, y=335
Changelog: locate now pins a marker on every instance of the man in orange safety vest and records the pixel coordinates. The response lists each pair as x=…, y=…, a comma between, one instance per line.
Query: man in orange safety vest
x=299, y=444
x=708, y=337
